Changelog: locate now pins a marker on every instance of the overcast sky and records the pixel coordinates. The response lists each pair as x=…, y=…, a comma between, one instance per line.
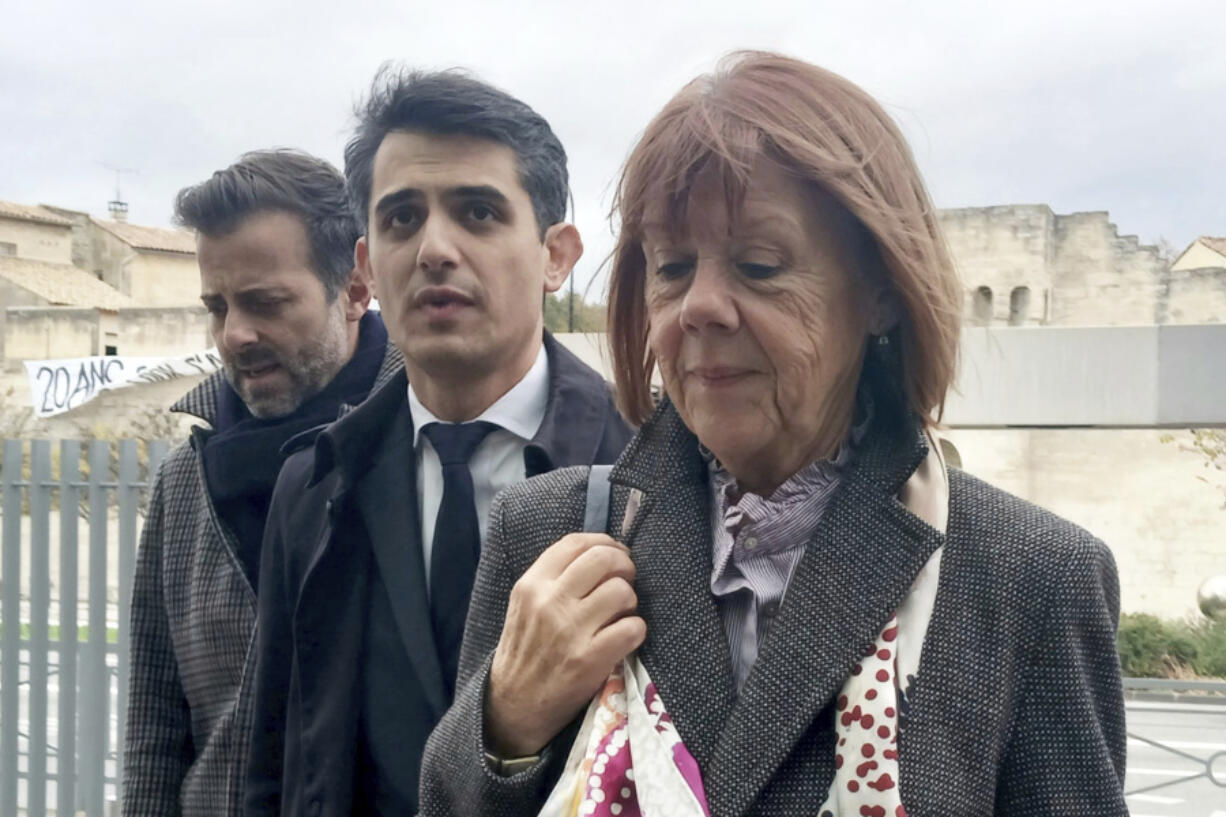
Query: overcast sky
x=1080, y=104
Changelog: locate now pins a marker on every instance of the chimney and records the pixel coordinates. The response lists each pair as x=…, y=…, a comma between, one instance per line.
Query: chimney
x=118, y=209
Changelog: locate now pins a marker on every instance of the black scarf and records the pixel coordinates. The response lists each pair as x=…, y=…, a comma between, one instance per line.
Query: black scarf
x=243, y=454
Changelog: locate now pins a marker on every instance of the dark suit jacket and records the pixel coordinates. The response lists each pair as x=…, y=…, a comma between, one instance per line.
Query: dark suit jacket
x=342, y=506
x=1017, y=708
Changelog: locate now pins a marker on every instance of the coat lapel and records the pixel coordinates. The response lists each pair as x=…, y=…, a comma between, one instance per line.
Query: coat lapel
x=386, y=498
x=576, y=414
x=686, y=652
x=855, y=572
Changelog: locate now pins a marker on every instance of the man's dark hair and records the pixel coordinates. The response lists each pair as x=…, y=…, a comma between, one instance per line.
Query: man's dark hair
x=283, y=180
x=446, y=103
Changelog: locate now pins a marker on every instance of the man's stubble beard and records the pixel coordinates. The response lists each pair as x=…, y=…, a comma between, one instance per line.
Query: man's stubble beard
x=310, y=371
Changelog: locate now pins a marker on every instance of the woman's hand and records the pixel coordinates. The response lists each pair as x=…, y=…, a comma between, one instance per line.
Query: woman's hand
x=570, y=619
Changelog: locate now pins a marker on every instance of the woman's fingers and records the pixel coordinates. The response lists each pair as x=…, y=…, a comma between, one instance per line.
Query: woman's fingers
x=609, y=601
x=620, y=638
x=593, y=566
x=562, y=553
x=569, y=621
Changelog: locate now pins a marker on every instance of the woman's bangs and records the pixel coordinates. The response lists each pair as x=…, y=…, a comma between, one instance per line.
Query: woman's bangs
x=678, y=150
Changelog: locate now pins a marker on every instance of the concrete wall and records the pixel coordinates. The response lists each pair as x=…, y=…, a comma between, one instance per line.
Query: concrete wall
x=40, y=242
x=164, y=279
x=1145, y=493
x=1121, y=376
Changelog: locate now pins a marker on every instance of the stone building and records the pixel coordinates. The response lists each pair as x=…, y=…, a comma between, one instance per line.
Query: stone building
x=155, y=266
x=34, y=232
x=75, y=286
x=1024, y=265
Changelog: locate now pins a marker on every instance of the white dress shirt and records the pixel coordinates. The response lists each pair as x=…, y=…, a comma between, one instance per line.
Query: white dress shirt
x=498, y=461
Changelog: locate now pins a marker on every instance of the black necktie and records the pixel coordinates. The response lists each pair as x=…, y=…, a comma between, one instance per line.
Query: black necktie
x=457, y=539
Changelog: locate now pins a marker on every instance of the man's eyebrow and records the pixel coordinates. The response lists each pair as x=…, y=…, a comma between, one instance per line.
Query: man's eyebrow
x=261, y=292
x=396, y=198
x=244, y=294
x=477, y=191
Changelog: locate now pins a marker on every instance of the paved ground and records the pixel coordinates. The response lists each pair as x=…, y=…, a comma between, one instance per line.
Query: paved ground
x=1190, y=736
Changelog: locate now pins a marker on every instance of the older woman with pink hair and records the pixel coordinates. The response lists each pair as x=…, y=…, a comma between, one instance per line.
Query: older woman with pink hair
x=795, y=607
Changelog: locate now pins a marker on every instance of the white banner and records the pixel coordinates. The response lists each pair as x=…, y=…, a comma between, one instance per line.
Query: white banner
x=57, y=386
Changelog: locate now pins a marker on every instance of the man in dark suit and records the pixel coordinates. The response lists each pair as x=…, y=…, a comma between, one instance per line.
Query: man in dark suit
x=376, y=524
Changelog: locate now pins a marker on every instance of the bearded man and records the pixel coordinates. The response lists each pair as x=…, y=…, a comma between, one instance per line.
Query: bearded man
x=288, y=312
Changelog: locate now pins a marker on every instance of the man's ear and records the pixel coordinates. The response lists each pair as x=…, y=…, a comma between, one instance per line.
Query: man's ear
x=565, y=247
x=359, y=287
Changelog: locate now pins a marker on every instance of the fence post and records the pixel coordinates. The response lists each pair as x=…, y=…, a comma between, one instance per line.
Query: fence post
x=40, y=614
x=66, y=735
x=10, y=612
x=96, y=685
x=129, y=487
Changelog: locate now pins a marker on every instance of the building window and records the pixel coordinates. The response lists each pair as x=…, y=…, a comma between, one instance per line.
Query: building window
x=111, y=351
x=983, y=306
x=8, y=248
x=1019, y=306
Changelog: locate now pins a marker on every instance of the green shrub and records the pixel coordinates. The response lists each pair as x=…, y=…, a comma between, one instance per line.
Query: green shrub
x=1151, y=647
x=1211, y=657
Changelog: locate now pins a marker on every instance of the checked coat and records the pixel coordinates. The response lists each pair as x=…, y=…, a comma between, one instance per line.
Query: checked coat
x=1016, y=709
x=193, y=621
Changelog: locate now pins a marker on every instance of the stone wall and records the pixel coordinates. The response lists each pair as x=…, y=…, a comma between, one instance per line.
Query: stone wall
x=1195, y=296
x=162, y=331
x=38, y=333
x=1077, y=270
x=42, y=333
x=82, y=227
x=1101, y=278
x=164, y=279
x=109, y=258
x=997, y=251
x=39, y=242
x=13, y=295
x=1145, y=493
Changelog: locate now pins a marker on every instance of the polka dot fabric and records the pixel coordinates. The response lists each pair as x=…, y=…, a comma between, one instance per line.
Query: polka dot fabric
x=628, y=760
x=866, y=724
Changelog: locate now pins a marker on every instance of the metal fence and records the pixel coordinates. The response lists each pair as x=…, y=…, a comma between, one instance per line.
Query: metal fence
x=1196, y=769
x=69, y=535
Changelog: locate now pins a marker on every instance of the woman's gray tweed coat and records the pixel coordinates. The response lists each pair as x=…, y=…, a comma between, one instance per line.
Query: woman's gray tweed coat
x=1017, y=708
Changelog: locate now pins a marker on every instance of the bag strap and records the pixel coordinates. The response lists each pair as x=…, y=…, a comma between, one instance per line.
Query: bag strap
x=596, y=515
